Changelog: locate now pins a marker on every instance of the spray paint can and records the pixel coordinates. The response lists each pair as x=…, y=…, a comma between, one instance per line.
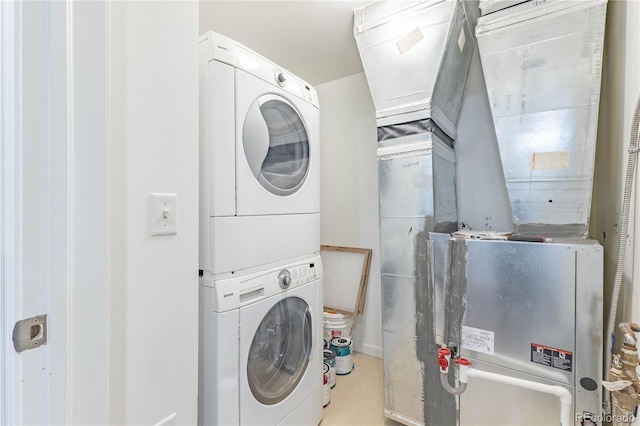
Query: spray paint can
x=330, y=358
x=342, y=348
x=326, y=387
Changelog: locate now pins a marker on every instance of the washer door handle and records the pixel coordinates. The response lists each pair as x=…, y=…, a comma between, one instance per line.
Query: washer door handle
x=255, y=138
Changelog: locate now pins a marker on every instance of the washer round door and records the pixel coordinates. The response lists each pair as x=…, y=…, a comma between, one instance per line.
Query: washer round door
x=280, y=351
x=276, y=144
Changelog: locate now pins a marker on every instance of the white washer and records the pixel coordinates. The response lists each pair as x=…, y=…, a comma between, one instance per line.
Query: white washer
x=259, y=167
x=260, y=346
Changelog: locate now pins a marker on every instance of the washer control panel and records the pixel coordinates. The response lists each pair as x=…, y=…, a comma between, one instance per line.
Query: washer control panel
x=303, y=274
x=233, y=292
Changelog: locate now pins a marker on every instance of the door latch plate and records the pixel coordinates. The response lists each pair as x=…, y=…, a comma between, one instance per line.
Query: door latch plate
x=30, y=333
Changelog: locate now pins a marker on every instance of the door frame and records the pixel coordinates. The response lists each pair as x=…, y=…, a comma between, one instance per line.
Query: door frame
x=10, y=207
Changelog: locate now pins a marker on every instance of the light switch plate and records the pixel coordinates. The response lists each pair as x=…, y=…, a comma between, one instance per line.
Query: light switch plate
x=163, y=214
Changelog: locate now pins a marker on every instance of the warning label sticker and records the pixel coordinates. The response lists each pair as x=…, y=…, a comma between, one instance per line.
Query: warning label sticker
x=552, y=357
x=477, y=339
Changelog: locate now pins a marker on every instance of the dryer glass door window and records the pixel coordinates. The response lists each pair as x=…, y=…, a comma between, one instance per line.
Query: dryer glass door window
x=276, y=144
x=280, y=351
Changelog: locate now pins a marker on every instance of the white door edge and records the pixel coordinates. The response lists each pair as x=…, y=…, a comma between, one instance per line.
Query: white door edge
x=10, y=211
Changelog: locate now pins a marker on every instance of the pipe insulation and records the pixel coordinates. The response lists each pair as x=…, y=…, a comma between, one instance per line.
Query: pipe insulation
x=453, y=391
x=562, y=393
x=622, y=239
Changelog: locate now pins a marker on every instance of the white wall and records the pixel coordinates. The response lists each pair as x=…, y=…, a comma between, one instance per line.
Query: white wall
x=349, y=189
x=154, y=148
x=87, y=306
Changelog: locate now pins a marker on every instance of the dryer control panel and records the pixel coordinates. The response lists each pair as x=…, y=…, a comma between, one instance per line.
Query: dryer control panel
x=216, y=47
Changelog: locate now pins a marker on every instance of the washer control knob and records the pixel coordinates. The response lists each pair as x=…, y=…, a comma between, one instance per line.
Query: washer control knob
x=284, y=279
x=282, y=79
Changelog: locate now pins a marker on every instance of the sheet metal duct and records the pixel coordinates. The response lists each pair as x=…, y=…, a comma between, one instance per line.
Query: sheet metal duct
x=542, y=63
x=490, y=6
x=416, y=57
x=416, y=175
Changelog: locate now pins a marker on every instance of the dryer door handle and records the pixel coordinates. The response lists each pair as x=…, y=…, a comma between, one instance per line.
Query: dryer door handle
x=255, y=139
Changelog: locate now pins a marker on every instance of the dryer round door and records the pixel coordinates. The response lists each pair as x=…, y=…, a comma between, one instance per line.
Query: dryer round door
x=280, y=351
x=276, y=144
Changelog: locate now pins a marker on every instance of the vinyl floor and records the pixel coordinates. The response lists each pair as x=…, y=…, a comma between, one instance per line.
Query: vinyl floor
x=357, y=398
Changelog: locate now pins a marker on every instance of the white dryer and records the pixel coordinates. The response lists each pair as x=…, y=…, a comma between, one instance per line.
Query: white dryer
x=259, y=167
x=260, y=346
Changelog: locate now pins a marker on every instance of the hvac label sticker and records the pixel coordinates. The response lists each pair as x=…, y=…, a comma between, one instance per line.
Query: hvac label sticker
x=412, y=38
x=477, y=339
x=551, y=357
x=549, y=160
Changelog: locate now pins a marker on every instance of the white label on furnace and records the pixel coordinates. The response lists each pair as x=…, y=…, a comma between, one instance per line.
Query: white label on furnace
x=462, y=39
x=550, y=160
x=412, y=38
x=476, y=339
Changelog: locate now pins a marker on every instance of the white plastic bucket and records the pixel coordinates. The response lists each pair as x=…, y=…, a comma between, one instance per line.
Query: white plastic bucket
x=337, y=324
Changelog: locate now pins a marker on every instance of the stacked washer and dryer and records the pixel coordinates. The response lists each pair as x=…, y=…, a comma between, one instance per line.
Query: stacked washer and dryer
x=260, y=350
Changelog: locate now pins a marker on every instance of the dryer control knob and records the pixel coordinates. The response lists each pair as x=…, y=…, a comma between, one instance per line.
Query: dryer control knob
x=284, y=279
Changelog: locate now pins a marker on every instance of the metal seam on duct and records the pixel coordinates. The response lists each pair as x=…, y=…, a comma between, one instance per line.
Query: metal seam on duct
x=394, y=131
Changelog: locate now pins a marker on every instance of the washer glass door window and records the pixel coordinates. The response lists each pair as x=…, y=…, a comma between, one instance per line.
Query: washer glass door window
x=276, y=144
x=280, y=351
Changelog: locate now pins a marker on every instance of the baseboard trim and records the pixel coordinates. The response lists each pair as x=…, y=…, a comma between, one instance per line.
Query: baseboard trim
x=368, y=350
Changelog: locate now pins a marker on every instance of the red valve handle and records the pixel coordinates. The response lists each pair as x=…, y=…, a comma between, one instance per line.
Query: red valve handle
x=463, y=361
x=444, y=352
x=443, y=363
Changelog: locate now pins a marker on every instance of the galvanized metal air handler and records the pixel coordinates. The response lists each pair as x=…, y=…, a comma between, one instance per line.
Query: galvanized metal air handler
x=416, y=57
x=530, y=311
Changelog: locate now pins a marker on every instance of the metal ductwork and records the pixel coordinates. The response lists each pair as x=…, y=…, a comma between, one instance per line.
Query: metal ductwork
x=490, y=6
x=416, y=57
x=542, y=63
